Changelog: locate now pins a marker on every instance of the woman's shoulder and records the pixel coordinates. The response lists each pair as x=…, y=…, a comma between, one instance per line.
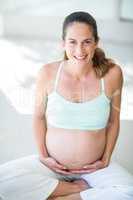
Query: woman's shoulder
x=115, y=73
x=115, y=76
x=47, y=71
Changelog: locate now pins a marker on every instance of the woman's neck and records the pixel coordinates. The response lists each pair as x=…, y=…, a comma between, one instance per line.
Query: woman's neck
x=79, y=71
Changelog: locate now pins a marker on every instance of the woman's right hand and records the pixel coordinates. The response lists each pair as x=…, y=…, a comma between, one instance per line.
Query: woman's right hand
x=54, y=165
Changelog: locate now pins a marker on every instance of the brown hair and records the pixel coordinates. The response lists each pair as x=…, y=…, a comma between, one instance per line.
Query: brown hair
x=101, y=64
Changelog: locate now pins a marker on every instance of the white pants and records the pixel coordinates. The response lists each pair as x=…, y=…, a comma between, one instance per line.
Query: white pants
x=28, y=179
x=112, y=183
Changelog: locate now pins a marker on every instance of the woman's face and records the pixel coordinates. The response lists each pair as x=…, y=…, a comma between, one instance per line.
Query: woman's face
x=79, y=43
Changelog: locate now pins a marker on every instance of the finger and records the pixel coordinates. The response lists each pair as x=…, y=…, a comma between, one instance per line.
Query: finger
x=96, y=164
x=99, y=165
x=83, y=171
x=60, y=166
x=91, y=166
x=62, y=172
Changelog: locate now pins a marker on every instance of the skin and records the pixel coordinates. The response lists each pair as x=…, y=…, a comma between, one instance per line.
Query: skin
x=73, y=188
x=94, y=147
x=68, y=197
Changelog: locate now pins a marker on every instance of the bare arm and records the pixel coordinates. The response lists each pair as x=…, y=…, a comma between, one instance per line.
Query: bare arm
x=39, y=120
x=114, y=120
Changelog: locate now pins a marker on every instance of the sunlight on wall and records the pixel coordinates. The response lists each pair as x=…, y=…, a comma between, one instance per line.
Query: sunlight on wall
x=127, y=94
x=18, y=70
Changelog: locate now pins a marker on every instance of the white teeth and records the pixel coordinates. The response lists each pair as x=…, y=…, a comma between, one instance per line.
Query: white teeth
x=80, y=58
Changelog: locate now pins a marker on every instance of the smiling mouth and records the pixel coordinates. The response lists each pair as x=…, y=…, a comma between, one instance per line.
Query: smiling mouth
x=80, y=57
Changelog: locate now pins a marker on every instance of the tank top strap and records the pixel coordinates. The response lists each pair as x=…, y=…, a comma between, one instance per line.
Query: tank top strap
x=57, y=76
x=102, y=85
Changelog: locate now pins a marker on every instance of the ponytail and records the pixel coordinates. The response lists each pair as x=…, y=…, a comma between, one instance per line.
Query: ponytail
x=101, y=64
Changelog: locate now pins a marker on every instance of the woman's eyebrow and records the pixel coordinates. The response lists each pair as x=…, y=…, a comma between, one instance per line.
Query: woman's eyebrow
x=83, y=40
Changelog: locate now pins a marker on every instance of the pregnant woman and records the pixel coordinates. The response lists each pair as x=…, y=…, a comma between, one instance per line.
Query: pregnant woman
x=76, y=124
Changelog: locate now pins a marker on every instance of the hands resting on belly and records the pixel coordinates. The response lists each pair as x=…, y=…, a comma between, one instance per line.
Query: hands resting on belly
x=59, y=168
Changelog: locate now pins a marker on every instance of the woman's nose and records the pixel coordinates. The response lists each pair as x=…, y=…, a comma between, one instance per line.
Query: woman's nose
x=79, y=50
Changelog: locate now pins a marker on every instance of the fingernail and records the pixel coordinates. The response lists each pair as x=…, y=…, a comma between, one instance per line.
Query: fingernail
x=85, y=167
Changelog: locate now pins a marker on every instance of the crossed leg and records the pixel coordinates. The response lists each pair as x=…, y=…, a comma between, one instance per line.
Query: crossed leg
x=112, y=182
x=75, y=196
x=66, y=190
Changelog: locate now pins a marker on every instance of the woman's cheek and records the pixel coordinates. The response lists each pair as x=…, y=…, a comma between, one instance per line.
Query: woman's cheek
x=90, y=55
x=70, y=52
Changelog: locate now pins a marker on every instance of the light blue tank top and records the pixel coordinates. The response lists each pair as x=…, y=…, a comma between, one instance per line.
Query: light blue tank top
x=89, y=115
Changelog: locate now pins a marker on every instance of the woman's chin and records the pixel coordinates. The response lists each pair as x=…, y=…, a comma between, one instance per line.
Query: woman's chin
x=79, y=62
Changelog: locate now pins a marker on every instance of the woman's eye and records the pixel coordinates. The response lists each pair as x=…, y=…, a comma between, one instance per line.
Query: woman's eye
x=72, y=42
x=87, y=42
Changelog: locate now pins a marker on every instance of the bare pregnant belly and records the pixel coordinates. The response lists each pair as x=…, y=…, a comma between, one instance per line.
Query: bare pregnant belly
x=74, y=148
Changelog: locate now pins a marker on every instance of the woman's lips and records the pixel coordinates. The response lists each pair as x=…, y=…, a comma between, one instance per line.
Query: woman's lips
x=80, y=57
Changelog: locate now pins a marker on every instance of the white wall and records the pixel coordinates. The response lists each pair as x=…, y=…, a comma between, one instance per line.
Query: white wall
x=123, y=150
x=1, y=26
x=51, y=27
x=106, y=9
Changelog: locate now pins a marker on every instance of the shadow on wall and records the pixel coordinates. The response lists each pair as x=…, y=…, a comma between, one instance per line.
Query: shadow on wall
x=123, y=149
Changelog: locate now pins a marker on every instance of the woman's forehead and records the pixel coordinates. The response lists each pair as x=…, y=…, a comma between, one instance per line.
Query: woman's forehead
x=79, y=29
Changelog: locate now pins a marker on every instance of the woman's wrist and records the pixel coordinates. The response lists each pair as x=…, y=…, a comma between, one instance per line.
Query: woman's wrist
x=42, y=157
x=106, y=155
x=106, y=159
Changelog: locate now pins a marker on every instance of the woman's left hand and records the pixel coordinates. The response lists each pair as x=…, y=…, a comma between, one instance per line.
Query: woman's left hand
x=99, y=164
